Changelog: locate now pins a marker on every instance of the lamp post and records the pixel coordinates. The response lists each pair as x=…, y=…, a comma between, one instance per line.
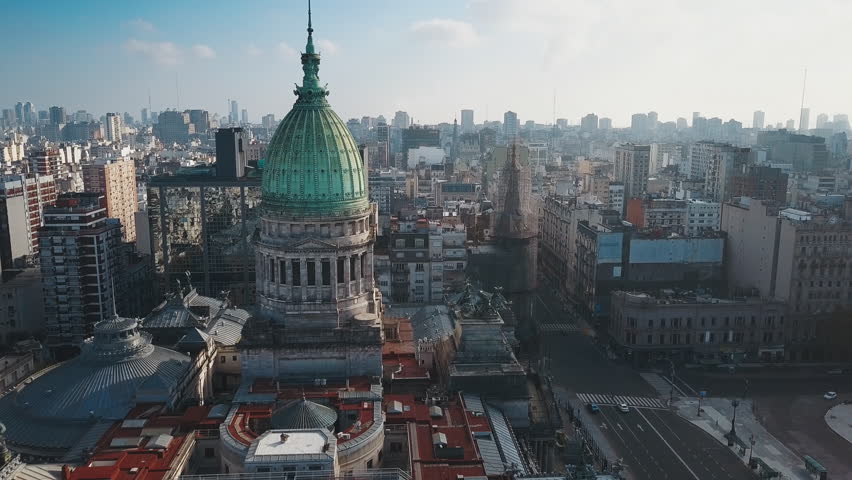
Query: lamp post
x=751, y=440
x=733, y=433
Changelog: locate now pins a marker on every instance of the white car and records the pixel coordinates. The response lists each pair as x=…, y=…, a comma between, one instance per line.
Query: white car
x=623, y=408
x=830, y=395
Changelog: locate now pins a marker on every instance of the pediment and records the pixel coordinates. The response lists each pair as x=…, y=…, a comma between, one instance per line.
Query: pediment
x=312, y=244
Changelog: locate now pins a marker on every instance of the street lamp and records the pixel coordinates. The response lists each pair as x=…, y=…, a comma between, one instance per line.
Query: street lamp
x=734, y=403
x=751, y=440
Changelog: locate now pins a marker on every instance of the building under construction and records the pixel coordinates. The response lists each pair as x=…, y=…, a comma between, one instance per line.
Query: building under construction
x=509, y=259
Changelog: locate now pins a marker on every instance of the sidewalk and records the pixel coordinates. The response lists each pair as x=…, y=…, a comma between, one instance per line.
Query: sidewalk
x=839, y=419
x=715, y=419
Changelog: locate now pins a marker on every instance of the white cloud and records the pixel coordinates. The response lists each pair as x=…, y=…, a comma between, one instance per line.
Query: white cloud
x=446, y=31
x=164, y=53
x=327, y=46
x=142, y=25
x=286, y=51
x=253, y=51
x=203, y=51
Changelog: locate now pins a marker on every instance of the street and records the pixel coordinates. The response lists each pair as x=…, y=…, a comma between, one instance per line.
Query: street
x=653, y=442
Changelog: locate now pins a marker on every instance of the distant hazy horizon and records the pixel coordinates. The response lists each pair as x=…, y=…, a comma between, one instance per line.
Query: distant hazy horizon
x=432, y=59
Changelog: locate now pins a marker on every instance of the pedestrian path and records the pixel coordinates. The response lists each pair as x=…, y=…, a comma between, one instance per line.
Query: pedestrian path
x=631, y=401
x=558, y=328
x=839, y=419
x=660, y=384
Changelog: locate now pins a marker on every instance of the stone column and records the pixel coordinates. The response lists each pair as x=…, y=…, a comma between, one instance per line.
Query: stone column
x=303, y=273
x=346, y=279
x=333, y=261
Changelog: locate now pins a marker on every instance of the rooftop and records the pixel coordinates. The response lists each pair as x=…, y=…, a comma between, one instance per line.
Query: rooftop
x=292, y=442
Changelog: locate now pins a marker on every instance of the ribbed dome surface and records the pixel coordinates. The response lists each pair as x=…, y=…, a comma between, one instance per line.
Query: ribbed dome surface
x=313, y=167
x=303, y=414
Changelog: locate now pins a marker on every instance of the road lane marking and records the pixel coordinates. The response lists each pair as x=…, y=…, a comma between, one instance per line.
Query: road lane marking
x=668, y=445
x=619, y=426
x=640, y=428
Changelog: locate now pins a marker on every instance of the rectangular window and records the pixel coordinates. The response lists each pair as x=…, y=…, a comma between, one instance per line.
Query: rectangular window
x=340, y=267
x=352, y=268
x=326, y=272
x=363, y=258
x=418, y=267
x=296, y=270
x=312, y=272
x=272, y=270
x=283, y=267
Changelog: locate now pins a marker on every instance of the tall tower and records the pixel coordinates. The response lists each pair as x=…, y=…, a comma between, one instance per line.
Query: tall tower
x=318, y=313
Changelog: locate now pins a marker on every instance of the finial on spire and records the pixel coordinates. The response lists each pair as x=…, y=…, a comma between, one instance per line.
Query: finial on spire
x=310, y=29
x=309, y=48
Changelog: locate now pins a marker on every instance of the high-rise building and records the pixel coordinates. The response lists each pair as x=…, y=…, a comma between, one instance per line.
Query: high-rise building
x=113, y=127
x=401, y=120
x=22, y=202
x=29, y=114
x=803, y=152
x=46, y=161
x=632, y=163
x=417, y=136
x=57, y=115
x=80, y=247
x=695, y=116
x=758, y=120
x=318, y=311
x=653, y=118
x=231, y=157
x=174, y=127
x=200, y=119
x=804, y=120
x=605, y=123
x=589, y=123
x=244, y=117
x=681, y=123
x=234, y=117
x=115, y=179
x=510, y=124
x=790, y=125
x=841, y=122
x=562, y=123
x=382, y=146
x=639, y=123
x=760, y=182
x=144, y=116
x=19, y=113
x=268, y=121
x=467, y=124
x=821, y=120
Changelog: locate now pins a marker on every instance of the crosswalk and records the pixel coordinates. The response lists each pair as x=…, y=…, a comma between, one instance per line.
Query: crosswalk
x=558, y=328
x=605, y=399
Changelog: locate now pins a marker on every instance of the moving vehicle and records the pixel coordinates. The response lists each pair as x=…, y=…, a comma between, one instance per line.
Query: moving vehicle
x=623, y=408
x=830, y=395
x=594, y=408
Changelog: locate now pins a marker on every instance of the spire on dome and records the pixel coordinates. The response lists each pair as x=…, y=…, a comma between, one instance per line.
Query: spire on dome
x=310, y=90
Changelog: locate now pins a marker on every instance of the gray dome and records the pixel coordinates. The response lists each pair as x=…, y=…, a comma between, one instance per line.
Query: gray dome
x=303, y=414
x=115, y=367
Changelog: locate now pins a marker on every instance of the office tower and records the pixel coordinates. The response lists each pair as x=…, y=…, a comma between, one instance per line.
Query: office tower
x=113, y=127
x=327, y=294
x=416, y=137
x=758, y=120
x=382, y=146
x=29, y=114
x=144, y=116
x=695, y=116
x=401, y=120
x=653, y=119
x=562, y=123
x=841, y=122
x=127, y=119
x=203, y=224
x=589, y=123
x=231, y=152
x=19, y=113
x=639, y=123
x=174, y=127
x=244, y=117
x=790, y=125
x=510, y=124
x=234, y=117
x=200, y=119
x=804, y=120
x=821, y=120
x=720, y=162
x=803, y=152
x=268, y=121
x=9, y=119
x=57, y=116
x=79, y=248
x=467, y=123
x=605, y=123
x=115, y=179
x=760, y=182
x=22, y=202
x=632, y=163
x=682, y=123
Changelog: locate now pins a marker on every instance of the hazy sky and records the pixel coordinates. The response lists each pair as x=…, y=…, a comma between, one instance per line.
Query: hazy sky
x=432, y=58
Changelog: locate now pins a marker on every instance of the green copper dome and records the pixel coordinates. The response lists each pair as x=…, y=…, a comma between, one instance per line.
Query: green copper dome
x=313, y=167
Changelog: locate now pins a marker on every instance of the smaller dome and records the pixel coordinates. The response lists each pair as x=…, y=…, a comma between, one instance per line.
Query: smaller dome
x=303, y=413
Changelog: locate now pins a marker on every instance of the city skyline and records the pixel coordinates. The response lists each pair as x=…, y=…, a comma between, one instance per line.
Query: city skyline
x=584, y=54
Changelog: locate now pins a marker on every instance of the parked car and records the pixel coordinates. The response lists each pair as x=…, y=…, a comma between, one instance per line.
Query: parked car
x=594, y=408
x=830, y=395
x=835, y=371
x=623, y=408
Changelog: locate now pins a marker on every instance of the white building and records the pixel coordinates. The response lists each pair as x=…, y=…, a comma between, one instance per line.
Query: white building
x=426, y=155
x=701, y=215
x=113, y=127
x=615, y=201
